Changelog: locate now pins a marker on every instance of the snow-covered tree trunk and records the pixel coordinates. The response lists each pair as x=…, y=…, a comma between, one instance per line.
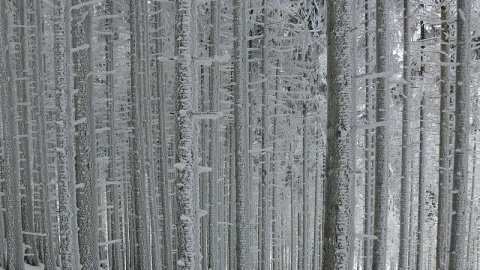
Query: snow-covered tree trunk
x=69, y=252
x=264, y=226
x=186, y=217
x=462, y=124
x=382, y=138
x=240, y=125
x=369, y=143
x=214, y=149
x=85, y=143
x=339, y=199
x=24, y=127
x=405, y=166
x=421, y=188
x=13, y=224
x=38, y=79
x=142, y=258
x=163, y=182
x=444, y=201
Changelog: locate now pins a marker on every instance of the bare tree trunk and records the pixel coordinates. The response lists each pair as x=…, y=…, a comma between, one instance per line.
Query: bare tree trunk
x=462, y=118
x=339, y=199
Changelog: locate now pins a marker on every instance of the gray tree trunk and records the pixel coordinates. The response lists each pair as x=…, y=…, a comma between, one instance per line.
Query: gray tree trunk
x=382, y=137
x=462, y=118
x=405, y=171
x=240, y=125
x=184, y=162
x=13, y=224
x=69, y=252
x=338, y=230
x=85, y=142
x=444, y=201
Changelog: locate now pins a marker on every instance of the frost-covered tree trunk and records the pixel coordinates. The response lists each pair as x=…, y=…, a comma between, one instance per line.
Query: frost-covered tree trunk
x=186, y=217
x=369, y=143
x=116, y=257
x=142, y=258
x=382, y=138
x=240, y=125
x=24, y=128
x=405, y=171
x=264, y=226
x=85, y=143
x=444, y=202
x=38, y=79
x=421, y=188
x=163, y=180
x=214, y=149
x=69, y=252
x=462, y=123
x=13, y=224
x=339, y=199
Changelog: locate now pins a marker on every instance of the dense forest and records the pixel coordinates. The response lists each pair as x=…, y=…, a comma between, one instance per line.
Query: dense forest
x=239, y=134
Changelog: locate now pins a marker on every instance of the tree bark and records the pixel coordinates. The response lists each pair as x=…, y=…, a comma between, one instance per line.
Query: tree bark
x=462, y=118
x=338, y=231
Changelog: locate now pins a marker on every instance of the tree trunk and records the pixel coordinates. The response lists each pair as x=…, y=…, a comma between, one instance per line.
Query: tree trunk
x=240, y=124
x=85, y=143
x=69, y=252
x=13, y=224
x=339, y=198
x=381, y=144
x=462, y=118
x=185, y=182
x=405, y=171
x=444, y=201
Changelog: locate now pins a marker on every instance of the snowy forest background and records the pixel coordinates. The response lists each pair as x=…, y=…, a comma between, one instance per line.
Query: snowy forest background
x=239, y=134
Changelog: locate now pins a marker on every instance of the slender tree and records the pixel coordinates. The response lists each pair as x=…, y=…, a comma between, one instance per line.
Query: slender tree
x=69, y=252
x=13, y=224
x=240, y=146
x=444, y=201
x=85, y=143
x=186, y=217
x=462, y=124
x=405, y=178
x=381, y=143
x=338, y=230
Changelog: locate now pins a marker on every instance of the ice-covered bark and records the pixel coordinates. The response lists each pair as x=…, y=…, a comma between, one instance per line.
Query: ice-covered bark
x=339, y=199
x=44, y=180
x=24, y=125
x=85, y=143
x=444, y=185
x=69, y=252
x=214, y=149
x=462, y=124
x=240, y=126
x=405, y=166
x=369, y=142
x=163, y=183
x=10, y=143
x=142, y=258
x=186, y=217
x=382, y=138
